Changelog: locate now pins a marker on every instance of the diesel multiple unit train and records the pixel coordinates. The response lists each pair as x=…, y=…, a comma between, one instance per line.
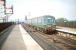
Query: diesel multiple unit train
x=44, y=23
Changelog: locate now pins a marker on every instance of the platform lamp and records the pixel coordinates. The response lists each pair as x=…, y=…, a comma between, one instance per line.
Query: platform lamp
x=7, y=9
x=65, y=23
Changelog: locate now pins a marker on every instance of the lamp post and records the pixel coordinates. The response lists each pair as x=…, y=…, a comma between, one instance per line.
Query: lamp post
x=8, y=10
x=65, y=22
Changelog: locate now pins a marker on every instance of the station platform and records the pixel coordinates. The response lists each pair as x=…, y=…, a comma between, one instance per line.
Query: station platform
x=19, y=39
x=66, y=29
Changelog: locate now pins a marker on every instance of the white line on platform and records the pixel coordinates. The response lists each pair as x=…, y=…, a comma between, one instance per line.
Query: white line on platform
x=30, y=43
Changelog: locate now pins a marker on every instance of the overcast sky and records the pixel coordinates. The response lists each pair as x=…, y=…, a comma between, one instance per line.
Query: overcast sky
x=35, y=8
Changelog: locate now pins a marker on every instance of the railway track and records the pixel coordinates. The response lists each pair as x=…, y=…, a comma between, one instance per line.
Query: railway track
x=59, y=42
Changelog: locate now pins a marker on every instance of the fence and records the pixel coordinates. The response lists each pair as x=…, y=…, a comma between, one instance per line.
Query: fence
x=5, y=25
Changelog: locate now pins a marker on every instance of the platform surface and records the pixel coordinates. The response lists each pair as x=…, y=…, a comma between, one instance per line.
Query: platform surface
x=19, y=39
x=66, y=29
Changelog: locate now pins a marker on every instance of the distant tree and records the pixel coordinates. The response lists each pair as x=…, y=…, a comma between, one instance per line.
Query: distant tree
x=65, y=23
x=61, y=20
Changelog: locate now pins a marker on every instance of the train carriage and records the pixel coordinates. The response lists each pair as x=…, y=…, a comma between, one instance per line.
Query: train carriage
x=44, y=23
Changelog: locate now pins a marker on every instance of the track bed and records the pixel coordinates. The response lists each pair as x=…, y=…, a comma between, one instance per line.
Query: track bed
x=49, y=42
